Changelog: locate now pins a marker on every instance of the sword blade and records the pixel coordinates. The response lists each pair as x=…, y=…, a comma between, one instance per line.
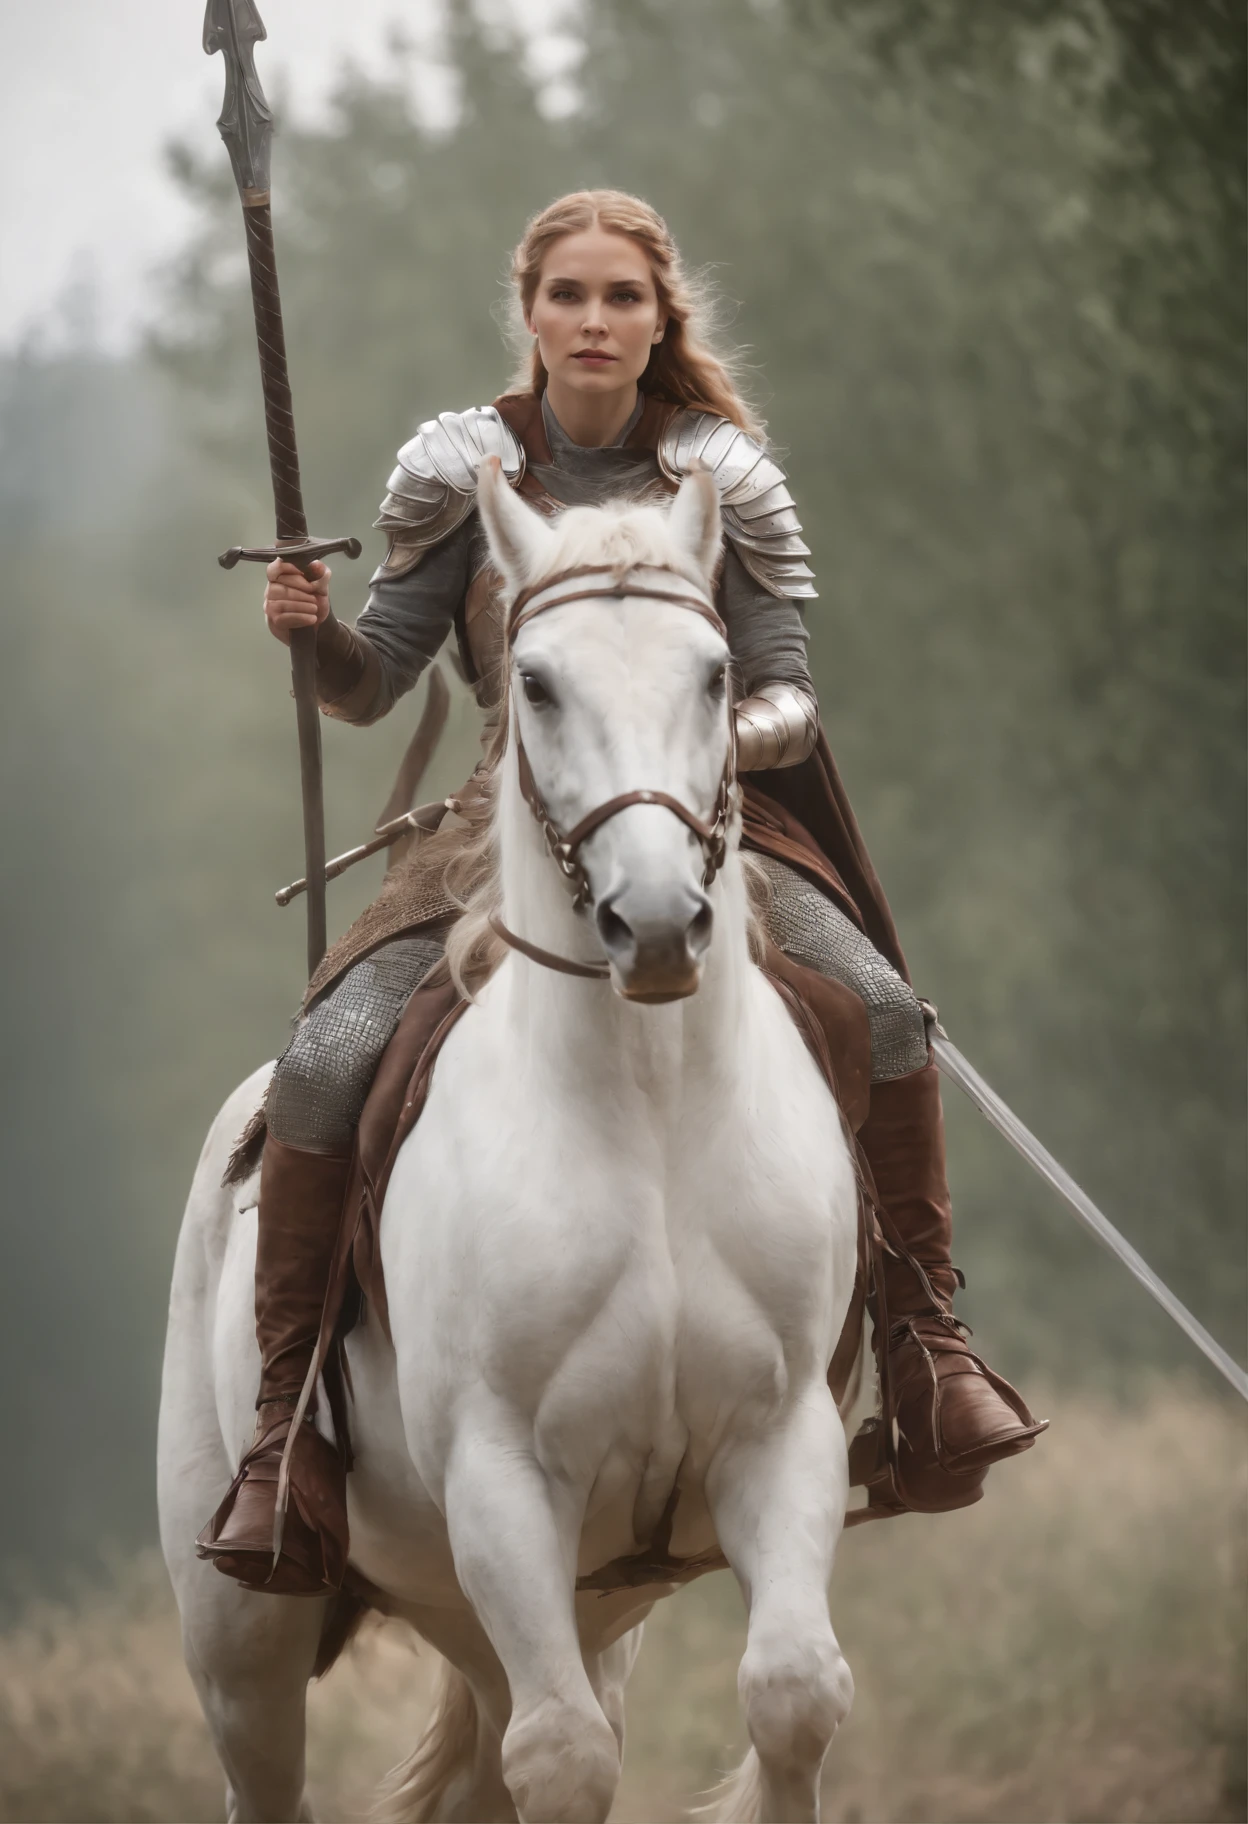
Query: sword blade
x=957, y=1068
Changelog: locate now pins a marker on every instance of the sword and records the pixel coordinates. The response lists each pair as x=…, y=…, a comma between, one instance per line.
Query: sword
x=234, y=28
x=960, y=1071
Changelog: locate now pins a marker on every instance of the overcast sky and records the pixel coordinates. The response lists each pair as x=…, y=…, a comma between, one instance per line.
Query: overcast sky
x=94, y=89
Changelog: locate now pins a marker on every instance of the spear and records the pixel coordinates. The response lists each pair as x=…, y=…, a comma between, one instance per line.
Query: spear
x=234, y=28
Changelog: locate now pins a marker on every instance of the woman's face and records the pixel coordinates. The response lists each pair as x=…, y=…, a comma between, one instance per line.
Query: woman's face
x=596, y=313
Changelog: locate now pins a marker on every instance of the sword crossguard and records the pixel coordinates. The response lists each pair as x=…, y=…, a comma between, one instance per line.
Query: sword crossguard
x=300, y=551
x=931, y=1020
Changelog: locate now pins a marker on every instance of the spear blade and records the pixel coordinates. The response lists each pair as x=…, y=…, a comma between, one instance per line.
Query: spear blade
x=245, y=122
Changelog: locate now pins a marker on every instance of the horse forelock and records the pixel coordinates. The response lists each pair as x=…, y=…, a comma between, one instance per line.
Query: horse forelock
x=618, y=534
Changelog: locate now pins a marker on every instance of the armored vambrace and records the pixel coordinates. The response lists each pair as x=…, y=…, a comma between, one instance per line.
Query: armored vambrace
x=777, y=726
x=348, y=671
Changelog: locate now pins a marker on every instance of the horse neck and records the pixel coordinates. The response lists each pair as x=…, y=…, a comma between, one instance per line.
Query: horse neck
x=579, y=1020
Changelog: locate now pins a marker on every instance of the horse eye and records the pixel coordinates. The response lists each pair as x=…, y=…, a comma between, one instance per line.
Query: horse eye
x=535, y=691
x=717, y=680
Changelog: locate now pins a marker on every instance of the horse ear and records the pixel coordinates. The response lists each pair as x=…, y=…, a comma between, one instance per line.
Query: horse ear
x=694, y=519
x=521, y=543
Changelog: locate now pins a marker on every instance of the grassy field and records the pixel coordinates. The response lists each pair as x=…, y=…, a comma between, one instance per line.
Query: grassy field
x=1072, y=1649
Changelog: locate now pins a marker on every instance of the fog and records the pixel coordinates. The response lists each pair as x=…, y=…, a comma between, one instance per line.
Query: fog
x=988, y=265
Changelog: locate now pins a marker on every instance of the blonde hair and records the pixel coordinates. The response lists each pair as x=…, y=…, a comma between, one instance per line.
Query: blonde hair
x=683, y=369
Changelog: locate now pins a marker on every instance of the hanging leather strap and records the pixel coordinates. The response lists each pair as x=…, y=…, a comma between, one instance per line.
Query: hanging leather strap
x=563, y=965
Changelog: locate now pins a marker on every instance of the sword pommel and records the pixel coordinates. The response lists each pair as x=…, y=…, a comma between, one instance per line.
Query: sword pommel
x=245, y=123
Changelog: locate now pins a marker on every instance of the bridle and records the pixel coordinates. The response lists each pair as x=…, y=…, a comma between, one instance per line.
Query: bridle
x=599, y=582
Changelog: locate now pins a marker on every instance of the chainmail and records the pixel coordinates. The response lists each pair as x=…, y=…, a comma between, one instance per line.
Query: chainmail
x=805, y=924
x=323, y=1077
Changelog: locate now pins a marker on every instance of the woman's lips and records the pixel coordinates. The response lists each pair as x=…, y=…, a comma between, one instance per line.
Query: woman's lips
x=592, y=358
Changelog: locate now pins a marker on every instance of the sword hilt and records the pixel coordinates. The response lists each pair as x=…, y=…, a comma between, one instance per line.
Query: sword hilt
x=301, y=552
x=929, y=1010
x=279, y=417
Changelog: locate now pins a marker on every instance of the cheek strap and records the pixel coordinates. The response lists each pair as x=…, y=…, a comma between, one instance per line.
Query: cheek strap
x=712, y=833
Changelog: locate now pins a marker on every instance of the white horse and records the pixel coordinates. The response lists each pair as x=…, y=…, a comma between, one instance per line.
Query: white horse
x=618, y=1249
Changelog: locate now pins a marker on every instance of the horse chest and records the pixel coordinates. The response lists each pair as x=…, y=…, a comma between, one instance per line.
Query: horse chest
x=617, y=1271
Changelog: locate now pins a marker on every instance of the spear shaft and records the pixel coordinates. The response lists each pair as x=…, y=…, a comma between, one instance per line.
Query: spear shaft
x=292, y=528
x=234, y=28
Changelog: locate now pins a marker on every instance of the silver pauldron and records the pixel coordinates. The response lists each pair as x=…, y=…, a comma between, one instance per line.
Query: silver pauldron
x=777, y=726
x=759, y=515
x=435, y=484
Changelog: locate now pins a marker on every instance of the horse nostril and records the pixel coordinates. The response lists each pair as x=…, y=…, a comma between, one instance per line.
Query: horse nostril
x=698, y=935
x=614, y=931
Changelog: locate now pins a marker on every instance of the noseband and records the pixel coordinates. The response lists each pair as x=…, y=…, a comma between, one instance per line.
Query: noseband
x=603, y=583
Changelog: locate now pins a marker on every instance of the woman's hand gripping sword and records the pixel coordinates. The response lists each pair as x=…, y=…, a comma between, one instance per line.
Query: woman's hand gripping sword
x=234, y=28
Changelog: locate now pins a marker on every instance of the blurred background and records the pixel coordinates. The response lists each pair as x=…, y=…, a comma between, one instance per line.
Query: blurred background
x=988, y=267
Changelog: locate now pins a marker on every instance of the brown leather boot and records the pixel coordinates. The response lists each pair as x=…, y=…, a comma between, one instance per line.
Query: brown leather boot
x=301, y=1197
x=954, y=1415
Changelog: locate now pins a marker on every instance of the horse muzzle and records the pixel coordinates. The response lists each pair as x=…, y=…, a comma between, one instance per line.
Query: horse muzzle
x=656, y=942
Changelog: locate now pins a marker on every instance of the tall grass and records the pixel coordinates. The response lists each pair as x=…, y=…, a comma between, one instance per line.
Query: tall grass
x=1070, y=1649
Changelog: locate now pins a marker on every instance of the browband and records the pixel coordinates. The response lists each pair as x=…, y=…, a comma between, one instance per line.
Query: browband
x=613, y=585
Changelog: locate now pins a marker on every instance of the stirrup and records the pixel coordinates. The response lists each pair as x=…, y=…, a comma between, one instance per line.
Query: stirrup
x=955, y=1415
x=300, y=1553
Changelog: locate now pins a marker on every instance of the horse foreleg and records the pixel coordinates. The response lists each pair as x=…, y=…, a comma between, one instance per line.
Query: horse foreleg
x=514, y=1536
x=778, y=1501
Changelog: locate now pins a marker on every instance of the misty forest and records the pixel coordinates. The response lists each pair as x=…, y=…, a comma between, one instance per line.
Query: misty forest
x=986, y=270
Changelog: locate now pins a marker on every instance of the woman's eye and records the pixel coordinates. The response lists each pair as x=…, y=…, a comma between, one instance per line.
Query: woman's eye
x=625, y=297
x=534, y=690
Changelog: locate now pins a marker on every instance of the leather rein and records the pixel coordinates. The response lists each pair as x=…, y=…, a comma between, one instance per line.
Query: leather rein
x=712, y=832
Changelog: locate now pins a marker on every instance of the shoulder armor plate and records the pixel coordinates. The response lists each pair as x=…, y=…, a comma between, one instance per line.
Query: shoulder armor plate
x=433, y=488
x=759, y=515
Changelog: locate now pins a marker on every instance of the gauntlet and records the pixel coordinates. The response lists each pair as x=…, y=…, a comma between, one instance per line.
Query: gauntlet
x=777, y=726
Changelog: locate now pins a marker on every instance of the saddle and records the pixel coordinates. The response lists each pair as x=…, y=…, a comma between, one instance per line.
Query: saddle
x=831, y=1019
x=834, y=1026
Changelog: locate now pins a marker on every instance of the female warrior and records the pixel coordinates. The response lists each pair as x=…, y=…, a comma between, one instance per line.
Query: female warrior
x=621, y=396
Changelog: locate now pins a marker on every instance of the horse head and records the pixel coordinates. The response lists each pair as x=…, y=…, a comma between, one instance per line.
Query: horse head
x=619, y=735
